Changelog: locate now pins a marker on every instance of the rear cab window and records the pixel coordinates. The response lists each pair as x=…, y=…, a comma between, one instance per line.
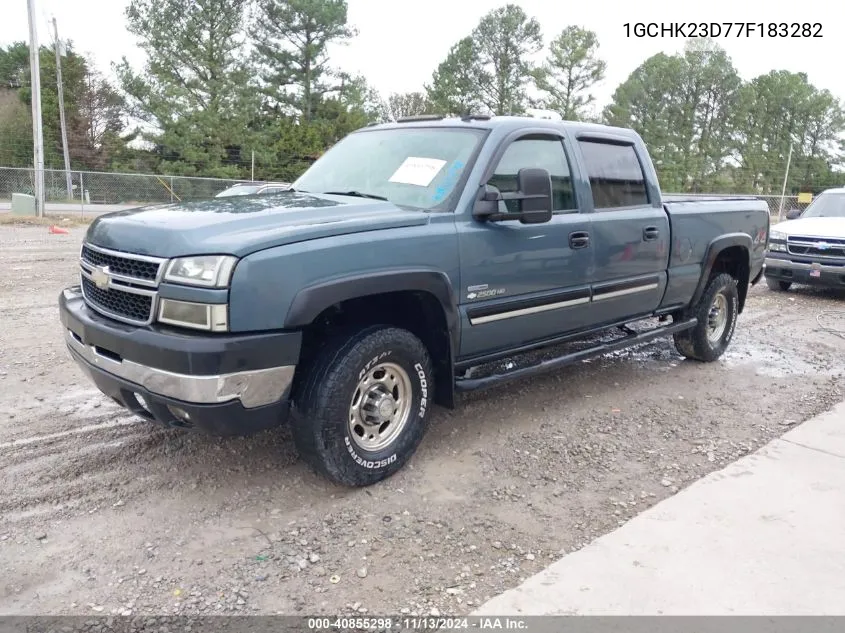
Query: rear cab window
x=616, y=176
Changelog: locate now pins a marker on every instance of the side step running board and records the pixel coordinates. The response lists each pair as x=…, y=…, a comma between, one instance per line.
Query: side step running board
x=473, y=384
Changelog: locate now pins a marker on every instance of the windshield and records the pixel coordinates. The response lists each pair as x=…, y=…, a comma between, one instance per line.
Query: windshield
x=239, y=190
x=827, y=205
x=413, y=167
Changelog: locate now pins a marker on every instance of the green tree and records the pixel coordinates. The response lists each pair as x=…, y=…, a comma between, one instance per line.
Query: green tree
x=570, y=71
x=648, y=101
x=711, y=89
x=97, y=129
x=291, y=39
x=454, y=88
x=683, y=106
x=15, y=130
x=195, y=91
x=15, y=116
x=779, y=110
x=355, y=105
x=289, y=147
x=489, y=70
x=14, y=65
x=94, y=112
x=503, y=41
x=408, y=104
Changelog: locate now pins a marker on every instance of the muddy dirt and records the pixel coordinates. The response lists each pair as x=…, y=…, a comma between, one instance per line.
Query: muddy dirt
x=102, y=513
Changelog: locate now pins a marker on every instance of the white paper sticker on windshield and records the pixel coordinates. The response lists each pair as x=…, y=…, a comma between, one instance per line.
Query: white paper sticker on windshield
x=417, y=171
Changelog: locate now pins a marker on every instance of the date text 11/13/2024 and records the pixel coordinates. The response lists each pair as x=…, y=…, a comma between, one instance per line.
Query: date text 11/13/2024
x=723, y=29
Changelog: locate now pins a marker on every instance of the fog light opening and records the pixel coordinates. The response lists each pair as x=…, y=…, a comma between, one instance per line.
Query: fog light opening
x=142, y=401
x=180, y=414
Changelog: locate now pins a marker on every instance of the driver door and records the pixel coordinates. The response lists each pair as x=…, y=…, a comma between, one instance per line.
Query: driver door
x=525, y=282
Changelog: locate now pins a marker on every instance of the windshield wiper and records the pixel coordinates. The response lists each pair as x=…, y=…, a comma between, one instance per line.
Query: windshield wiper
x=355, y=194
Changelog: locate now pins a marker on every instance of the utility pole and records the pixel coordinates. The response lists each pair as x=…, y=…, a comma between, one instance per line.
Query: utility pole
x=37, y=134
x=253, y=166
x=785, y=178
x=68, y=178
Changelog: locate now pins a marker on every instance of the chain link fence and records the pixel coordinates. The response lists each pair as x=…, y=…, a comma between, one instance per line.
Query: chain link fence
x=788, y=203
x=109, y=188
x=90, y=189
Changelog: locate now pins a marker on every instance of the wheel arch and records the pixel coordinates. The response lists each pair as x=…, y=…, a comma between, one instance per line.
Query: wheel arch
x=421, y=301
x=729, y=253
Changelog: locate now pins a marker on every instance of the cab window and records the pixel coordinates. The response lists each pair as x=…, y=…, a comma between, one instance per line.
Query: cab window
x=538, y=152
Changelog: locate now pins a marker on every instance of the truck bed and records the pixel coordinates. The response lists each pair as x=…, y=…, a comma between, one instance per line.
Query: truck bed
x=697, y=221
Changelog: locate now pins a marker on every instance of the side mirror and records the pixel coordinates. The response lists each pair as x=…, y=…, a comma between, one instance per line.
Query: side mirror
x=793, y=214
x=535, y=189
x=534, y=197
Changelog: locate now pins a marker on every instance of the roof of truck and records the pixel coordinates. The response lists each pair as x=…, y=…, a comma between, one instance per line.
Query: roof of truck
x=507, y=123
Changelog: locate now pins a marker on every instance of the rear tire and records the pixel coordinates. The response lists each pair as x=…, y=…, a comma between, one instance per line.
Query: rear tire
x=361, y=410
x=776, y=284
x=717, y=312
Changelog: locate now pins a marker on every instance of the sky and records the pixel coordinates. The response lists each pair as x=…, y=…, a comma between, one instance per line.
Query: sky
x=400, y=42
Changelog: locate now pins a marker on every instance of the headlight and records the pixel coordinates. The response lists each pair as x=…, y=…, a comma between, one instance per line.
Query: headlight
x=777, y=241
x=200, y=316
x=212, y=271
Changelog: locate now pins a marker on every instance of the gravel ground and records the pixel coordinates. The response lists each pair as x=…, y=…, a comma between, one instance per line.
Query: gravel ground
x=105, y=514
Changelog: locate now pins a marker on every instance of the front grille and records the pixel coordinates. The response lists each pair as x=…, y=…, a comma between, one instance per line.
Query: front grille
x=118, y=303
x=132, y=281
x=816, y=246
x=119, y=265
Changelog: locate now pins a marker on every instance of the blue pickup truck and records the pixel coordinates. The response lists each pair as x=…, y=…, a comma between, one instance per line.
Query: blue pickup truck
x=407, y=255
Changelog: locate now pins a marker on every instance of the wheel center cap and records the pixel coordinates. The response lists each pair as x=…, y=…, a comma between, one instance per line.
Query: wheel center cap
x=385, y=407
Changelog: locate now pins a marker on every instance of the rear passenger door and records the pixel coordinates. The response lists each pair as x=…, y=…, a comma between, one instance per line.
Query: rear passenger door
x=630, y=232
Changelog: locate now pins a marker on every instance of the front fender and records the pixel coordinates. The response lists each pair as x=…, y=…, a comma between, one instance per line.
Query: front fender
x=310, y=301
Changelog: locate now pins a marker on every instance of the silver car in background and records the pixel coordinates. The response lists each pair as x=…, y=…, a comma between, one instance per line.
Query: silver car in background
x=253, y=188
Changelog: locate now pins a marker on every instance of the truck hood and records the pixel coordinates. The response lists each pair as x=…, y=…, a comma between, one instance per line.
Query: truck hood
x=813, y=227
x=244, y=224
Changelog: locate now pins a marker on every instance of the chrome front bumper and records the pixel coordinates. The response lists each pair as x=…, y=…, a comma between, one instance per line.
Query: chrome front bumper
x=252, y=388
x=790, y=265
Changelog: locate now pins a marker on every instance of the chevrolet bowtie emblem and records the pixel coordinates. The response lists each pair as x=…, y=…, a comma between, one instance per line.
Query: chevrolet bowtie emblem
x=101, y=277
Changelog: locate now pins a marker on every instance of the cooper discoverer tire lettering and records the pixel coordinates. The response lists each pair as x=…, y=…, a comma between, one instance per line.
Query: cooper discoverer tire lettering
x=360, y=411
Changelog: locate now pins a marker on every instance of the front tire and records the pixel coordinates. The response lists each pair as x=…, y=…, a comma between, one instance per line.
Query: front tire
x=363, y=406
x=717, y=313
x=776, y=284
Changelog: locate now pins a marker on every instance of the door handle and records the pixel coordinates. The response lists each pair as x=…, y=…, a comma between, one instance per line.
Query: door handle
x=650, y=233
x=579, y=239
